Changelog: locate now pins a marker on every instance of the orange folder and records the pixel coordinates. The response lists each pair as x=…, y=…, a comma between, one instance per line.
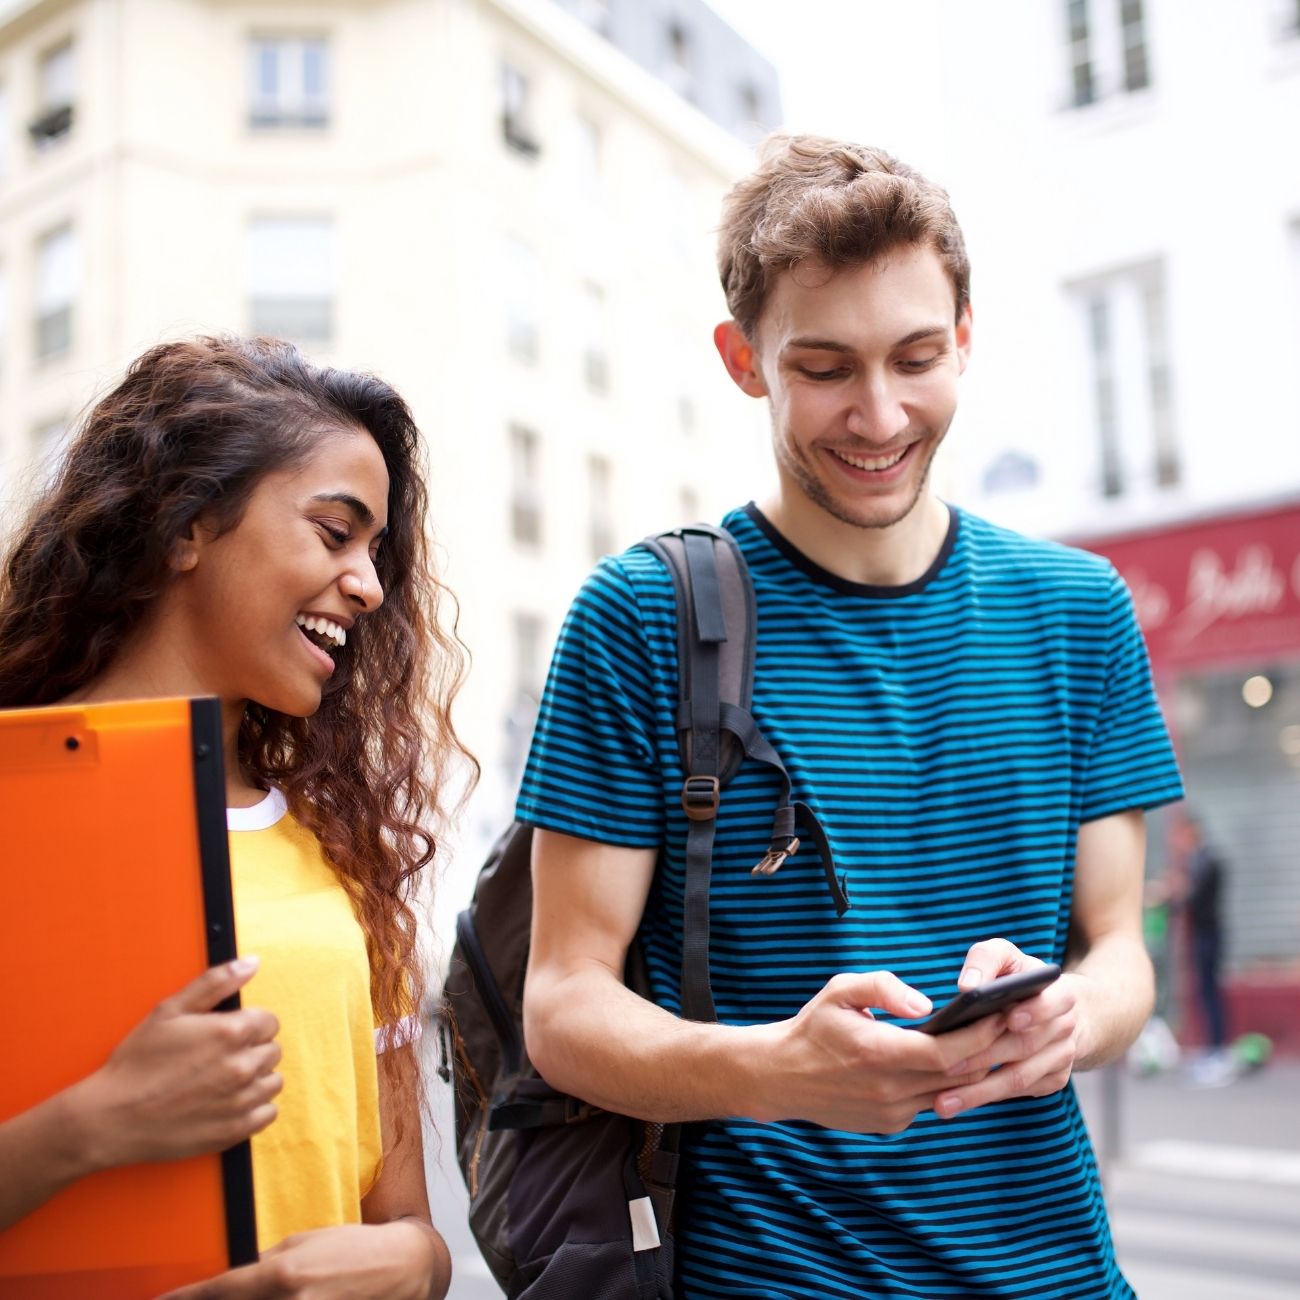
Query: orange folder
x=114, y=893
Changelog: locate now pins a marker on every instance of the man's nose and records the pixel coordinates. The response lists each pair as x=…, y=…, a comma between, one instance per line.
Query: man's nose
x=878, y=413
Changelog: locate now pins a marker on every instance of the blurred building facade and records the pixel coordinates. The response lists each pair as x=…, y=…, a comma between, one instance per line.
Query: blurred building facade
x=484, y=201
x=1132, y=204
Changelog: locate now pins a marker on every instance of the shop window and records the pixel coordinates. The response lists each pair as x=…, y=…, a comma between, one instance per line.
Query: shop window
x=58, y=276
x=1128, y=381
x=56, y=88
x=1239, y=750
x=525, y=490
x=518, y=130
x=292, y=278
x=1107, y=51
x=289, y=81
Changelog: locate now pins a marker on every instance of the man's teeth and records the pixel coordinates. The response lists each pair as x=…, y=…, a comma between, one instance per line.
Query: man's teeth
x=324, y=626
x=872, y=462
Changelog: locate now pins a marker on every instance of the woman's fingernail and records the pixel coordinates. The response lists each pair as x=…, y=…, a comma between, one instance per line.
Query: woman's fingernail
x=244, y=965
x=970, y=976
x=959, y=1068
x=948, y=1107
x=918, y=1004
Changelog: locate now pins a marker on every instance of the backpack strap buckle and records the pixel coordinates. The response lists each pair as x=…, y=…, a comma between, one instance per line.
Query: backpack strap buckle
x=772, y=861
x=700, y=797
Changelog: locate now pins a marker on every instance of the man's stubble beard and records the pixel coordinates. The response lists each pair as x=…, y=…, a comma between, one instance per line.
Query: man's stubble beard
x=816, y=491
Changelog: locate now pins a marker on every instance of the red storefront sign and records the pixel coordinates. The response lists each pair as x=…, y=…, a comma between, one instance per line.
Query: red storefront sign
x=1216, y=591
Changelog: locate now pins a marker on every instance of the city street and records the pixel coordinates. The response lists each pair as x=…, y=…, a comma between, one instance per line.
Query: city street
x=1204, y=1186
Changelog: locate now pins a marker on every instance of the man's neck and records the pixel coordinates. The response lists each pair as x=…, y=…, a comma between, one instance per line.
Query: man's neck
x=878, y=557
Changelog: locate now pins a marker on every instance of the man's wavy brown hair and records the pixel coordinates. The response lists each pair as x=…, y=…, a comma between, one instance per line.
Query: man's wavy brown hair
x=829, y=202
x=188, y=434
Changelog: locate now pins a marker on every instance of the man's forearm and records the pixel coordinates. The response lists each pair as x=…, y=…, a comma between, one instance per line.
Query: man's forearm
x=590, y=1036
x=1117, y=994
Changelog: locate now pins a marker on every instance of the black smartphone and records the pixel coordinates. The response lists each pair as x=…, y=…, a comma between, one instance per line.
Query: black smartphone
x=976, y=1003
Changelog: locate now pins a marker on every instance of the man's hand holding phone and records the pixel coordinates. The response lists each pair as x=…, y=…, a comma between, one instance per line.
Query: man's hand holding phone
x=1034, y=1055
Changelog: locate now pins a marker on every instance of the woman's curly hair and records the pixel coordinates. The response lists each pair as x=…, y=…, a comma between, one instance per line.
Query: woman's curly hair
x=188, y=433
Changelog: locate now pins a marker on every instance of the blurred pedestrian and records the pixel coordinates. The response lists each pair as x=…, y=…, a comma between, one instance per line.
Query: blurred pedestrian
x=1196, y=891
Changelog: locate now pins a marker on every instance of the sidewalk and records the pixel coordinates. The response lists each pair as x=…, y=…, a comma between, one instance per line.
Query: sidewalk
x=1203, y=1184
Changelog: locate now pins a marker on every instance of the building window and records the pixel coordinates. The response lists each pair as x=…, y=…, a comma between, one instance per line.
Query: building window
x=600, y=480
x=677, y=60
x=1129, y=388
x=750, y=112
x=688, y=506
x=49, y=443
x=1107, y=49
x=525, y=492
x=587, y=154
x=522, y=298
x=4, y=132
x=56, y=86
x=594, y=13
x=517, y=127
x=57, y=281
x=291, y=278
x=594, y=332
x=288, y=81
x=686, y=418
x=528, y=633
x=1080, y=53
x=1134, y=41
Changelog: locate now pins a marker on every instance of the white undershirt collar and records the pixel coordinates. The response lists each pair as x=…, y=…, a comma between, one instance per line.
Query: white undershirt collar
x=262, y=815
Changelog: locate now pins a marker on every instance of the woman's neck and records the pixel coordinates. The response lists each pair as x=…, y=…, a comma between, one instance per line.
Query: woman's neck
x=139, y=675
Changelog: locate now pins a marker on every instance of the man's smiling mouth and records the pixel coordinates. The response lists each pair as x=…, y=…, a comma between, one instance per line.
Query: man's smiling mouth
x=875, y=463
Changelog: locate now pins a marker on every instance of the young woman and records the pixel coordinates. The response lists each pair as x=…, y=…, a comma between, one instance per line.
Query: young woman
x=232, y=521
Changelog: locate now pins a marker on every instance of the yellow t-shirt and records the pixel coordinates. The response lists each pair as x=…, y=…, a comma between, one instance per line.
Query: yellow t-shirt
x=313, y=1165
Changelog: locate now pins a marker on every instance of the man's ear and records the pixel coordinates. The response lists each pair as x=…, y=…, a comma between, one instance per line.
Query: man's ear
x=964, y=322
x=738, y=356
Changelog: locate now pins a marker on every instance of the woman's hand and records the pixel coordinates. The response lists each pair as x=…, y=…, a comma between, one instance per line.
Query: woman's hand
x=184, y=1080
x=402, y=1260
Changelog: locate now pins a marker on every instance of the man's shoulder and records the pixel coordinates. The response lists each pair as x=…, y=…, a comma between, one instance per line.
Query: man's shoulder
x=1037, y=561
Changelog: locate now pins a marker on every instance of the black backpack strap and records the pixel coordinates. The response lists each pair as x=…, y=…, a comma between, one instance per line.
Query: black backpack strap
x=716, y=632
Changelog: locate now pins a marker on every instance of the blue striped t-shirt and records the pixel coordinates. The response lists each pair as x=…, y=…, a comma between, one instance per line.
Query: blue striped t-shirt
x=951, y=735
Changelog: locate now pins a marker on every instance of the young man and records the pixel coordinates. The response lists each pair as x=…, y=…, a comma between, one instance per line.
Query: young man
x=969, y=713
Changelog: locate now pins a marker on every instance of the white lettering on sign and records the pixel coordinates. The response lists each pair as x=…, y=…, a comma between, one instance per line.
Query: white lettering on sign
x=1150, y=600
x=1253, y=586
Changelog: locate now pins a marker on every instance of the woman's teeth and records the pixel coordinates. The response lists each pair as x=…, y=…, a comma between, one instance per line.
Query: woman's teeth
x=323, y=627
x=872, y=462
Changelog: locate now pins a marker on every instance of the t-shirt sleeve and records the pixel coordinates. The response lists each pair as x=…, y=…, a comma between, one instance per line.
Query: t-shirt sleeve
x=1131, y=761
x=592, y=770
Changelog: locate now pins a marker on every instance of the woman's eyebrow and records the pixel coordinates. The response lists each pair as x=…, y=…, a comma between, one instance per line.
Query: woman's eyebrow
x=363, y=512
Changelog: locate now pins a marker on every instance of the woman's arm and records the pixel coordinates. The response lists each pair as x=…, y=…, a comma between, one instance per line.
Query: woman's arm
x=395, y=1254
x=182, y=1082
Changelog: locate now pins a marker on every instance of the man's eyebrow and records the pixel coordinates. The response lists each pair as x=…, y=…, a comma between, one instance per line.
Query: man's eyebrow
x=358, y=507
x=834, y=345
